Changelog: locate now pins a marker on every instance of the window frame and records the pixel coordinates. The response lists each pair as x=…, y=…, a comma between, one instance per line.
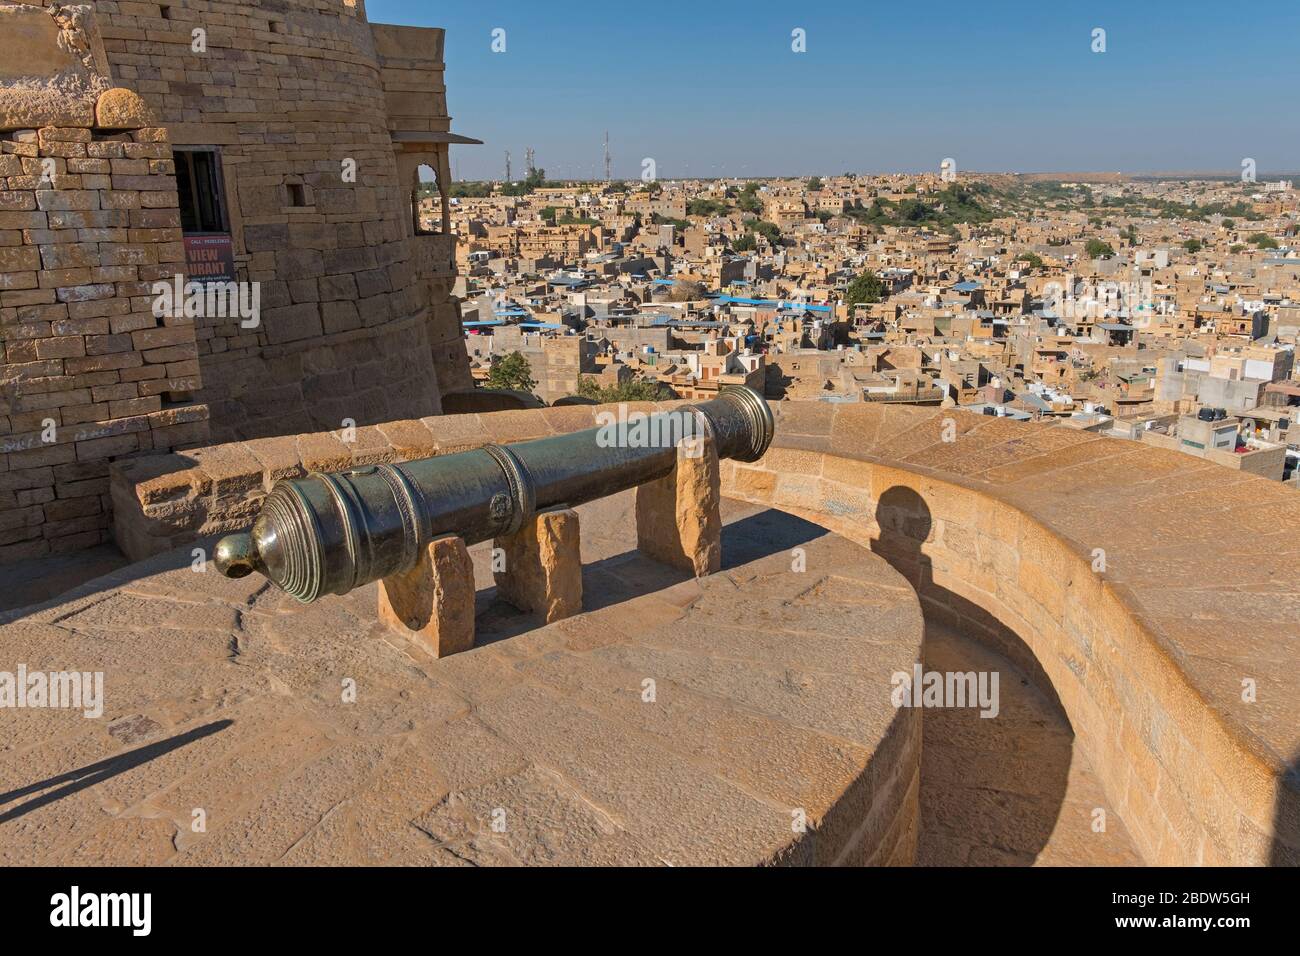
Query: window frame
x=184, y=154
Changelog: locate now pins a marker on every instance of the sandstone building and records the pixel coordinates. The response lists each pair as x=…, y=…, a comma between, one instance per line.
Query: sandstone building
x=276, y=144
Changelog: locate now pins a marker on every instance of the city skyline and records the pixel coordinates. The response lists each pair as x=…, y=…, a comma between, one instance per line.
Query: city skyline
x=996, y=93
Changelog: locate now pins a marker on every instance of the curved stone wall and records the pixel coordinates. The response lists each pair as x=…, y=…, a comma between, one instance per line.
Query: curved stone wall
x=1154, y=591
x=287, y=92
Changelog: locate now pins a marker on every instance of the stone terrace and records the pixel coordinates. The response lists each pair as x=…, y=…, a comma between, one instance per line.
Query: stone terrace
x=1149, y=591
x=240, y=712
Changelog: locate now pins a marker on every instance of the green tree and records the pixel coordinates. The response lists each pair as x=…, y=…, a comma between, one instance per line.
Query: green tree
x=867, y=287
x=768, y=230
x=1262, y=241
x=814, y=184
x=1096, y=249
x=467, y=190
x=1031, y=259
x=678, y=224
x=632, y=390
x=744, y=243
x=534, y=180
x=512, y=371
x=707, y=207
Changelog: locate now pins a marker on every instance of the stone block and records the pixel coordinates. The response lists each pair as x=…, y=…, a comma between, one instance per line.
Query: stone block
x=120, y=108
x=433, y=603
x=543, y=566
x=678, y=517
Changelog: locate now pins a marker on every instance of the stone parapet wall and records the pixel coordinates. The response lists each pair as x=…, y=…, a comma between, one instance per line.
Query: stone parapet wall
x=88, y=372
x=166, y=501
x=1145, y=587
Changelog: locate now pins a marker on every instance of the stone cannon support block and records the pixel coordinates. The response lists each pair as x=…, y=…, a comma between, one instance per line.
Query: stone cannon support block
x=434, y=601
x=678, y=520
x=543, y=566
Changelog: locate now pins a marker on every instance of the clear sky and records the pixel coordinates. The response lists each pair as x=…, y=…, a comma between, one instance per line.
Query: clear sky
x=713, y=87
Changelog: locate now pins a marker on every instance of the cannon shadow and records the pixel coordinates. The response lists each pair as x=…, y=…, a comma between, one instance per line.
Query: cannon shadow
x=749, y=533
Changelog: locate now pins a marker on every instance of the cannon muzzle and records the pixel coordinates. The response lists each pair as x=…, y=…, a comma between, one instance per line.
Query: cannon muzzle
x=331, y=533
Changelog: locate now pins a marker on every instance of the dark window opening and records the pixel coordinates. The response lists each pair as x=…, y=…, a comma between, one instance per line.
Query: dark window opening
x=165, y=11
x=297, y=194
x=198, y=182
x=428, y=219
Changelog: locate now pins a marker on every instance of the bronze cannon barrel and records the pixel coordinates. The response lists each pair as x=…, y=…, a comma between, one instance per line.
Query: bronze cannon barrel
x=331, y=533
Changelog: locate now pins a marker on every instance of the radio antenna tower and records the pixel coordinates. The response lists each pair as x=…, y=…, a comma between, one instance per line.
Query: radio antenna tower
x=507, y=165
x=606, y=155
x=529, y=166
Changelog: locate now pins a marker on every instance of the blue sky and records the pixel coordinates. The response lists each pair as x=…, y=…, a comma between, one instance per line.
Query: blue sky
x=712, y=87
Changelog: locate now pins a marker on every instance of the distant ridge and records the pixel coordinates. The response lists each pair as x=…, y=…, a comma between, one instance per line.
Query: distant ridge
x=1149, y=177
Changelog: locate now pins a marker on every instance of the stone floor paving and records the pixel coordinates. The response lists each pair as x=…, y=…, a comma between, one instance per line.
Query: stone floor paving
x=243, y=728
x=238, y=713
x=1010, y=790
x=39, y=579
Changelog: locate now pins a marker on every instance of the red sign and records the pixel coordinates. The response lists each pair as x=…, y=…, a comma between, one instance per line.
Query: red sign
x=209, y=259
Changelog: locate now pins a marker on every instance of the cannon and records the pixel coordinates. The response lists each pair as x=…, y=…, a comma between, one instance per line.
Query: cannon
x=329, y=533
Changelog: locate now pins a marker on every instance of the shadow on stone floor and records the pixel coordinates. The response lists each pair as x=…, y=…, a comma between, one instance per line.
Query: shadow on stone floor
x=622, y=577
x=36, y=584
x=98, y=772
x=1286, y=819
x=992, y=788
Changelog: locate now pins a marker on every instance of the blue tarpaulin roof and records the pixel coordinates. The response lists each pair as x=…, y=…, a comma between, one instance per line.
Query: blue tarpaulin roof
x=770, y=303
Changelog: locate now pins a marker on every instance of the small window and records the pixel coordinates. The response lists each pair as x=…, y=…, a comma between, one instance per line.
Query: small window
x=165, y=11
x=198, y=183
x=297, y=194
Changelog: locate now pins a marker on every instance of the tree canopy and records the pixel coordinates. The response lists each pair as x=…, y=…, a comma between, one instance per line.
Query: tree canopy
x=512, y=371
x=632, y=390
x=867, y=287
